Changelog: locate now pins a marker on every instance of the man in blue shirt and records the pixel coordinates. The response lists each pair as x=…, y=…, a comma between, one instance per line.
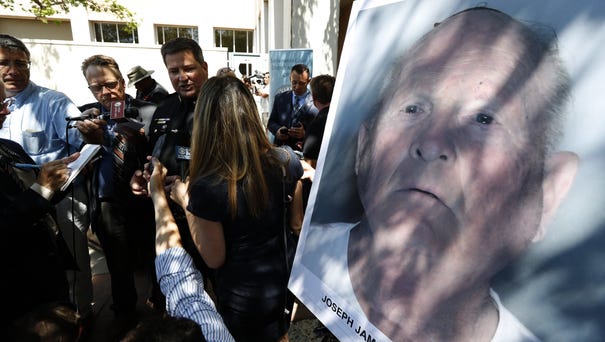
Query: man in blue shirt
x=38, y=123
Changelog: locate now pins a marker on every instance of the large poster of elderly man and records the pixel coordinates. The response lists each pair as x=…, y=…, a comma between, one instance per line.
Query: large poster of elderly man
x=457, y=193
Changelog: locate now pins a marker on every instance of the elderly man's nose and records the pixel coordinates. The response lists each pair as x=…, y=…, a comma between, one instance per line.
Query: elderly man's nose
x=433, y=146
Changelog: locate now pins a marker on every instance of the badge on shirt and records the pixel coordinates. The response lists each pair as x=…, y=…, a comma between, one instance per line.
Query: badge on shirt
x=161, y=125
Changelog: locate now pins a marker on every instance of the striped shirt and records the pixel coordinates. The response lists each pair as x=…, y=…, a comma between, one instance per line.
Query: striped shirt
x=183, y=286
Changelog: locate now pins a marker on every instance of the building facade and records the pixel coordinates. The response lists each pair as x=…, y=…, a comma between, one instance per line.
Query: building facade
x=234, y=33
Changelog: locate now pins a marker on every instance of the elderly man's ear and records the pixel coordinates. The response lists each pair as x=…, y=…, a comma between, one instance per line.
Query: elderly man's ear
x=559, y=172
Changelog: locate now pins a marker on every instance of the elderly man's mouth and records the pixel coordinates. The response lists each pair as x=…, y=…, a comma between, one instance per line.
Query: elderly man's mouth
x=425, y=193
x=425, y=196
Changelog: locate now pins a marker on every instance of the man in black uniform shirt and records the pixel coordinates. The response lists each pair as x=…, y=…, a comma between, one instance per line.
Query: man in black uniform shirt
x=170, y=131
x=172, y=122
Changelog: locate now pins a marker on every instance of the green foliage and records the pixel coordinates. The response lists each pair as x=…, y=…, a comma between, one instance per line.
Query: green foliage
x=43, y=9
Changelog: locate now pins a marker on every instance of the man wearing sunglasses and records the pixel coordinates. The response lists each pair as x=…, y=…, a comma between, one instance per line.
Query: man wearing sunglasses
x=38, y=123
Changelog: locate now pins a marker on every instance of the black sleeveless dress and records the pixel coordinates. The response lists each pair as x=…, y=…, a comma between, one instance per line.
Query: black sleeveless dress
x=251, y=286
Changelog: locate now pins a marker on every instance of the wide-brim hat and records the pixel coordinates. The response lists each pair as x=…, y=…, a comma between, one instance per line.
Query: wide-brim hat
x=136, y=74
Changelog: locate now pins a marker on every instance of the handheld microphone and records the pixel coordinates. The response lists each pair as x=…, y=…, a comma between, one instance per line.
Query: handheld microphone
x=80, y=118
x=88, y=117
x=183, y=152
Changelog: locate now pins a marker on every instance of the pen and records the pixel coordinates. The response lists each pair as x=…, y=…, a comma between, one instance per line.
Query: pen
x=27, y=166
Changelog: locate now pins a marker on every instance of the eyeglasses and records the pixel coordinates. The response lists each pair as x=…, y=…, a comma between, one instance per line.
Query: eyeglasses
x=98, y=87
x=7, y=102
x=18, y=64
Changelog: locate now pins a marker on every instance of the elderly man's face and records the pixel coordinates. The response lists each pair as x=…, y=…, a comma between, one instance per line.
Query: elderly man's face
x=449, y=178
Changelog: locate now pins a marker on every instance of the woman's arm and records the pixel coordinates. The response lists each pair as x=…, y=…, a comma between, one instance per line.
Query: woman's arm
x=207, y=235
x=209, y=240
x=166, y=230
x=297, y=212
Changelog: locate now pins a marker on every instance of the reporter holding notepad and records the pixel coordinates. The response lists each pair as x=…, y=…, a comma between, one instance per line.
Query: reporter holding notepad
x=33, y=253
x=38, y=123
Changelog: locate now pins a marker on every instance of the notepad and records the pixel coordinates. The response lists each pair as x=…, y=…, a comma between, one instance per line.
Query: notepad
x=86, y=154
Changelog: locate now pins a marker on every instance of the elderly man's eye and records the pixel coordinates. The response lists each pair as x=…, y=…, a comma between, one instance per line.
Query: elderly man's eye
x=412, y=109
x=484, y=119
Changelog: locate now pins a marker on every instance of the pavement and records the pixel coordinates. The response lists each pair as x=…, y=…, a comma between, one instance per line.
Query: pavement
x=106, y=327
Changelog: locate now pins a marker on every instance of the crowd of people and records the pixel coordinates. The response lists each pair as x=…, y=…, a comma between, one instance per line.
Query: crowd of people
x=197, y=164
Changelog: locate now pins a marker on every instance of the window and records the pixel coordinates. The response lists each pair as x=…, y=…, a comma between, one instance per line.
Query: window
x=115, y=33
x=166, y=33
x=234, y=40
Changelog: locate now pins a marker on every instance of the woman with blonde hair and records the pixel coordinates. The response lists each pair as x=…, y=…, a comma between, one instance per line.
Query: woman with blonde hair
x=237, y=201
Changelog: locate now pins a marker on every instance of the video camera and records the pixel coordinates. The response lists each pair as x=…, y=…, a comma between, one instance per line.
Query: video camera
x=257, y=79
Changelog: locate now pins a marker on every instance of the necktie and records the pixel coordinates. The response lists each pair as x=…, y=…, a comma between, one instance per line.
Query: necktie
x=300, y=100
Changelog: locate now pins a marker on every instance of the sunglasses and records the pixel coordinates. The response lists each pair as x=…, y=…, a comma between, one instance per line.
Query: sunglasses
x=98, y=87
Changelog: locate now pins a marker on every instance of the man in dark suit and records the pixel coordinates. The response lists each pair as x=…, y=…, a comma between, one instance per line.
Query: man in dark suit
x=293, y=110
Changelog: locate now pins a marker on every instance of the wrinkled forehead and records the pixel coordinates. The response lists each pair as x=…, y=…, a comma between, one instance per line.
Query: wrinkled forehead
x=461, y=43
x=470, y=37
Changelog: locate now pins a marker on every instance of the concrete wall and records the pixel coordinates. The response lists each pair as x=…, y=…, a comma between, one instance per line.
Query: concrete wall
x=36, y=29
x=315, y=25
x=279, y=24
x=58, y=50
